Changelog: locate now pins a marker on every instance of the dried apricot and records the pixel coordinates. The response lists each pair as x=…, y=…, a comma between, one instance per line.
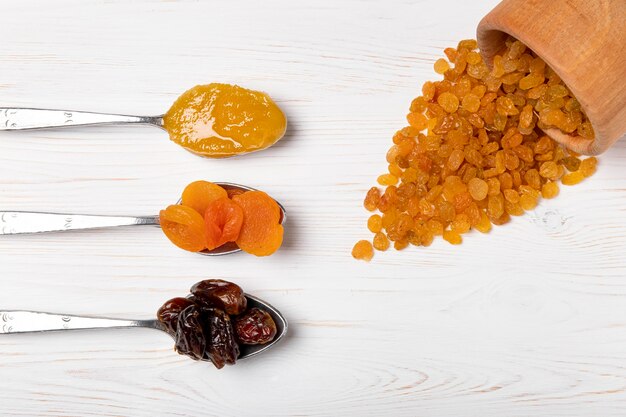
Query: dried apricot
x=184, y=227
x=223, y=219
x=261, y=233
x=199, y=194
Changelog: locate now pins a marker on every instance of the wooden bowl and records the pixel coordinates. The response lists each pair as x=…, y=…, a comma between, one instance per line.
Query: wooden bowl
x=584, y=41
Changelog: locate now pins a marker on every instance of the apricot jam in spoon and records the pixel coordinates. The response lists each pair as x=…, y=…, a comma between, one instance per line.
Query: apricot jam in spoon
x=222, y=120
x=213, y=120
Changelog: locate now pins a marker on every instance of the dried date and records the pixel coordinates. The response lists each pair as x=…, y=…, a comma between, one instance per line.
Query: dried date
x=169, y=312
x=255, y=327
x=223, y=348
x=220, y=294
x=191, y=339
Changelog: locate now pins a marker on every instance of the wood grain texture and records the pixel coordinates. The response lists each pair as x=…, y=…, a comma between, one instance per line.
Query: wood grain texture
x=529, y=320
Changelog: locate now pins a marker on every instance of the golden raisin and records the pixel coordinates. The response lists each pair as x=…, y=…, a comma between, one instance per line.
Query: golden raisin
x=511, y=196
x=572, y=178
x=471, y=103
x=571, y=163
x=549, y=170
x=387, y=179
x=484, y=225
x=473, y=152
x=417, y=120
x=588, y=166
x=449, y=102
x=452, y=237
x=514, y=209
x=375, y=223
x=461, y=224
x=381, y=242
x=372, y=198
x=528, y=201
x=455, y=159
x=400, y=244
x=477, y=188
x=441, y=66
x=495, y=205
x=550, y=190
x=363, y=250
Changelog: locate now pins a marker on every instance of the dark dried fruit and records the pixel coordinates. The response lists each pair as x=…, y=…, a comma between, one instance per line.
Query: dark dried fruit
x=169, y=312
x=220, y=294
x=190, y=336
x=203, y=329
x=223, y=348
x=255, y=327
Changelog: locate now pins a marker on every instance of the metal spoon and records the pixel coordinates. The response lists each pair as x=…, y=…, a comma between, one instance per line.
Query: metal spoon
x=25, y=118
x=20, y=321
x=23, y=222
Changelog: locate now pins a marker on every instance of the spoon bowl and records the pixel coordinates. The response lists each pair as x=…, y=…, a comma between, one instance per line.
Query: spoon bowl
x=25, y=222
x=22, y=321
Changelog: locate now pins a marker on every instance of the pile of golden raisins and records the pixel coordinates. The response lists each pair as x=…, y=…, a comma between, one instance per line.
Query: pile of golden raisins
x=474, y=152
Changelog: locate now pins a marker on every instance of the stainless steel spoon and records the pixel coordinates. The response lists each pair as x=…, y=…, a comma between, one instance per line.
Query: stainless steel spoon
x=20, y=321
x=25, y=118
x=23, y=222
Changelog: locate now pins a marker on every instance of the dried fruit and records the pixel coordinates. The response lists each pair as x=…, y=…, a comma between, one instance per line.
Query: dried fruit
x=380, y=242
x=475, y=153
x=255, y=327
x=550, y=190
x=452, y=237
x=217, y=293
x=184, y=227
x=204, y=331
x=169, y=312
x=372, y=198
x=222, y=347
x=261, y=233
x=223, y=219
x=528, y=201
x=363, y=250
x=588, y=166
x=572, y=178
x=199, y=194
x=448, y=101
x=375, y=223
x=190, y=337
x=441, y=66
x=387, y=179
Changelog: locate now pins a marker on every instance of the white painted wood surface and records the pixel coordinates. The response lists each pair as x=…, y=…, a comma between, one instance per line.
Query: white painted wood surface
x=529, y=320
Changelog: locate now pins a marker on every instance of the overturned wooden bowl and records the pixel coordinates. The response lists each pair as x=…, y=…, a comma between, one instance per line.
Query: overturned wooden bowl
x=584, y=42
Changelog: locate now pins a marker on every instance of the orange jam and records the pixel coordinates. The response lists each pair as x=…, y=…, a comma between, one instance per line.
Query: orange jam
x=222, y=120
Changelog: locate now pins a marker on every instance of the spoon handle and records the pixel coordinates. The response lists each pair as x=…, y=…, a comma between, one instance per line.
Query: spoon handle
x=18, y=222
x=22, y=118
x=17, y=321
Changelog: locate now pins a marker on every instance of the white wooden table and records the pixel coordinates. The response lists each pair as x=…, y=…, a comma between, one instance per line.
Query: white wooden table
x=529, y=320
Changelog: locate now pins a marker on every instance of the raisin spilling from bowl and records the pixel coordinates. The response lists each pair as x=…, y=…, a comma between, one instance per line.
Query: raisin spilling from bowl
x=212, y=322
x=474, y=152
